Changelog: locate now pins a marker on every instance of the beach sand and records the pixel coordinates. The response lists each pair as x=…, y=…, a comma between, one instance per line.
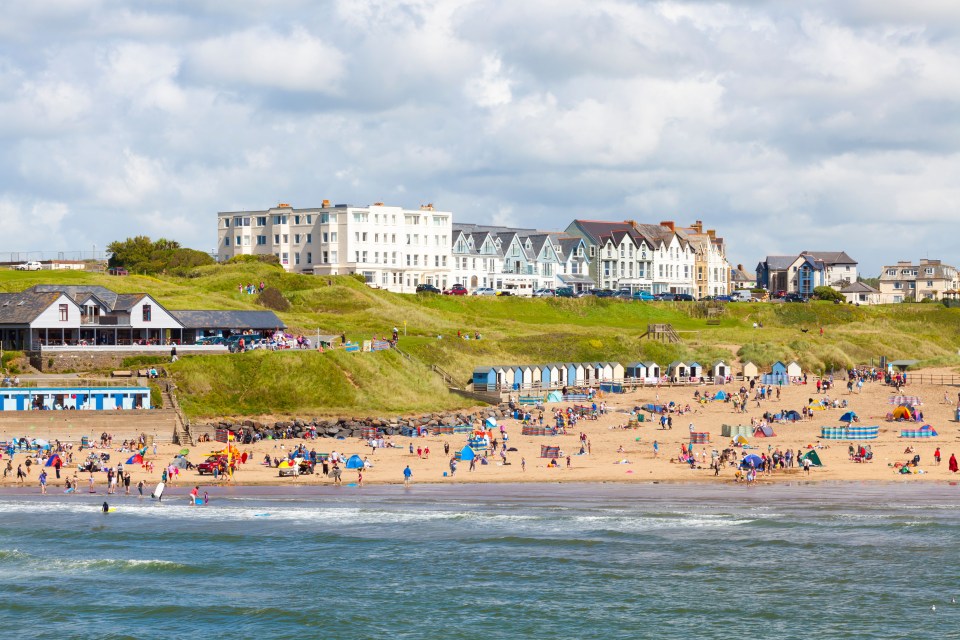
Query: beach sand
x=604, y=463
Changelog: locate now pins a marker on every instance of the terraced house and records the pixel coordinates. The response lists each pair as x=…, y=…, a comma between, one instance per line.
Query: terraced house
x=804, y=272
x=516, y=260
x=928, y=280
x=657, y=258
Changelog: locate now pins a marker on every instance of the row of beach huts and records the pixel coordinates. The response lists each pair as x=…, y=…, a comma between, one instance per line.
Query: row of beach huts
x=575, y=374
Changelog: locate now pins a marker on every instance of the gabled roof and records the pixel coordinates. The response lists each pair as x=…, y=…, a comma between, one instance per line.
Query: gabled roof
x=830, y=258
x=79, y=292
x=234, y=320
x=777, y=263
x=24, y=307
x=859, y=287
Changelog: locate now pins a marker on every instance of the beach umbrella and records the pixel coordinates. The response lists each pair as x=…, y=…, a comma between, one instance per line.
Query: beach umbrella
x=183, y=452
x=751, y=460
x=848, y=417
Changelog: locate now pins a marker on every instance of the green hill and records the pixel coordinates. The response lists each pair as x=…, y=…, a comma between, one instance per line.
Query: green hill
x=514, y=331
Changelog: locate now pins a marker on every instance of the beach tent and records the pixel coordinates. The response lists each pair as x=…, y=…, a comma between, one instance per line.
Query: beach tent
x=355, y=462
x=179, y=462
x=554, y=396
x=720, y=395
x=788, y=415
x=902, y=413
x=52, y=460
x=926, y=431
x=813, y=457
x=467, y=454
x=135, y=459
x=490, y=422
x=741, y=440
x=763, y=432
x=752, y=460
x=848, y=417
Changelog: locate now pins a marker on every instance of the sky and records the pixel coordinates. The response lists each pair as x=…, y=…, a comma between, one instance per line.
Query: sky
x=816, y=125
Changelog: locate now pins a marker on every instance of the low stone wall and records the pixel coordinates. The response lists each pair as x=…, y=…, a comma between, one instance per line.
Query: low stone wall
x=77, y=361
x=349, y=427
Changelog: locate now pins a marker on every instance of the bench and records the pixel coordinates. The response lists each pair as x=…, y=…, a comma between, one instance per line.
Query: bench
x=713, y=321
x=121, y=374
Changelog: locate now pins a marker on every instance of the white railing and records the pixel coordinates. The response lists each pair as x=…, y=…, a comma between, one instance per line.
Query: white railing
x=135, y=348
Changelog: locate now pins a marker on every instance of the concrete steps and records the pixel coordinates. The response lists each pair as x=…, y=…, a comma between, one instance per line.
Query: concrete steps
x=69, y=426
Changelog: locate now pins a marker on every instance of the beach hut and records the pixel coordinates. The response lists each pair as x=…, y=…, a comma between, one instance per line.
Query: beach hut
x=616, y=371
x=695, y=370
x=720, y=369
x=653, y=371
x=677, y=370
x=635, y=371
x=750, y=371
x=794, y=370
x=575, y=371
x=605, y=371
x=506, y=379
x=526, y=376
x=777, y=375
x=484, y=378
x=517, y=376
x=558, y=374
x=501, y=374
x=537, y=372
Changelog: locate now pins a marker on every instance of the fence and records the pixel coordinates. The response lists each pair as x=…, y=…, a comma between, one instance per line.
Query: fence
x=625, y=382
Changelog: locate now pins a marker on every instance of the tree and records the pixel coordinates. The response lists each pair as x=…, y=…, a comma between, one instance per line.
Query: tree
x=140, y=254
x=828, y=293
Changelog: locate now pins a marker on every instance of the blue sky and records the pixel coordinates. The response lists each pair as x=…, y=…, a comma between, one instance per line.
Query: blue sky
x=786, y=126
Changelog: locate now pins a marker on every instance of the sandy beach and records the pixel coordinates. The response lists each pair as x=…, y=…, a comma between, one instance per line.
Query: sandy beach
x=617, y=454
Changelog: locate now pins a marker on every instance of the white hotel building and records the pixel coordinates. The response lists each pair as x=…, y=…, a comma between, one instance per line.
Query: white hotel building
x=392, y=247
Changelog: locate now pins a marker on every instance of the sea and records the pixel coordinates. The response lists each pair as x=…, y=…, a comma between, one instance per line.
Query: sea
x=823, y=560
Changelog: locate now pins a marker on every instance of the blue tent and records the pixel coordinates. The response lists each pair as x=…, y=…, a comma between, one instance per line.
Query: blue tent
x=355, y=462
x=849, y=416
x=751, y=460
x=555, y=396
x=721, y=395
x=467, y=454
x=52, y=460
x=491, y=422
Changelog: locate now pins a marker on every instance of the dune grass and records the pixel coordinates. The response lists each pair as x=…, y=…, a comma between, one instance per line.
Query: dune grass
x=514, y=330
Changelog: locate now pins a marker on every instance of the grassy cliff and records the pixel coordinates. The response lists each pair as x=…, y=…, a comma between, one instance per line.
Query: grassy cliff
x=514, y=330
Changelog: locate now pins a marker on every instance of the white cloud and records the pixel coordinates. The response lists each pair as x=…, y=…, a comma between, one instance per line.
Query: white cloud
x=490, y=88
x=293, y=61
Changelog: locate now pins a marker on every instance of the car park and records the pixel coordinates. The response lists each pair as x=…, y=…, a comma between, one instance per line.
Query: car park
x=605, y=293
x=456, y=290
x=427, y=288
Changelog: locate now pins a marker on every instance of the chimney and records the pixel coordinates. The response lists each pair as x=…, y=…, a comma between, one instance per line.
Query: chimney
x=669, y=225
x=739, y=267
x=326, y=204
x=712, y=233
x=697, y=226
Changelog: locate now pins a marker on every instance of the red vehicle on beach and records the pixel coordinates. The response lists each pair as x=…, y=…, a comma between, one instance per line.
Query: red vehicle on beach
x=213, y=462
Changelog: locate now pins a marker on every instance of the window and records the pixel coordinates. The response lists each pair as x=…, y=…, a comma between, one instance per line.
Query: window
x=296, y=258
x=64, y=312
x=238, y=241
x=226, y=222
x=309, y=221
x=226, y=241
x=891, y=272
x=296, y=238
x=276, y=238
x=286, y=238
x=147, y=312
x=309, y=258
x=333, y=236
x=326, y=237
x=309, y=238
x=928, y=271
x=296, y=219
x=261, y=221
x=929, y=283
x=898, y=285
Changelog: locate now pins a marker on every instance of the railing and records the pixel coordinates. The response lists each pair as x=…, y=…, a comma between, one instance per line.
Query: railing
x=72, y=383
x=626, y=382
x=932, y=378
x=134, y=348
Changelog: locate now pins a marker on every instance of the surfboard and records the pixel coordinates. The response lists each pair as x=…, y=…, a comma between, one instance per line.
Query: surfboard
x=70, y=490
x=197, y=501
x=158, y=491
x=261, y=515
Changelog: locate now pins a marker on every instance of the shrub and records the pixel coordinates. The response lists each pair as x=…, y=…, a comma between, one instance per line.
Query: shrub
x=136, y=361
x=271, y=298
x=265, y=258
x=828, y=293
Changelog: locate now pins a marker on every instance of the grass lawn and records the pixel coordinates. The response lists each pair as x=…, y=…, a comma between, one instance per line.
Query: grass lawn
x=514, y=330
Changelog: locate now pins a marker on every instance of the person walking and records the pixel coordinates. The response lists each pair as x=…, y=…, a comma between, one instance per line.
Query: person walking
x=953, y=463
x=407, y=473
x=140, y=489
x=523, y=464
x=936, y=456
x=43, y=482
x=656, y=449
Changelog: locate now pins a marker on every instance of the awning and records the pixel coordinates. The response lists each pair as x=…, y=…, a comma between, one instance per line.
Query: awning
x=576, y=279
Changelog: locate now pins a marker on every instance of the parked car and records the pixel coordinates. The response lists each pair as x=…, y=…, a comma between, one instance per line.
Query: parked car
x=683, y=297
x=484, y=291
x=778, y=295
x=723, y=298
x=118, y=271
x=643, y=296
x=544, y=293
x=566, y=292
x=623, y=294
x=666, y=297
x=427, y=288
x=742, y=295
x=211, y=340
x=794, y=297
x=233, y=342
x=456, y=290
x=33, y=265
x=605, y=293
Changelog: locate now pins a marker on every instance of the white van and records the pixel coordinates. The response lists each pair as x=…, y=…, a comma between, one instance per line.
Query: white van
x=742, y=295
